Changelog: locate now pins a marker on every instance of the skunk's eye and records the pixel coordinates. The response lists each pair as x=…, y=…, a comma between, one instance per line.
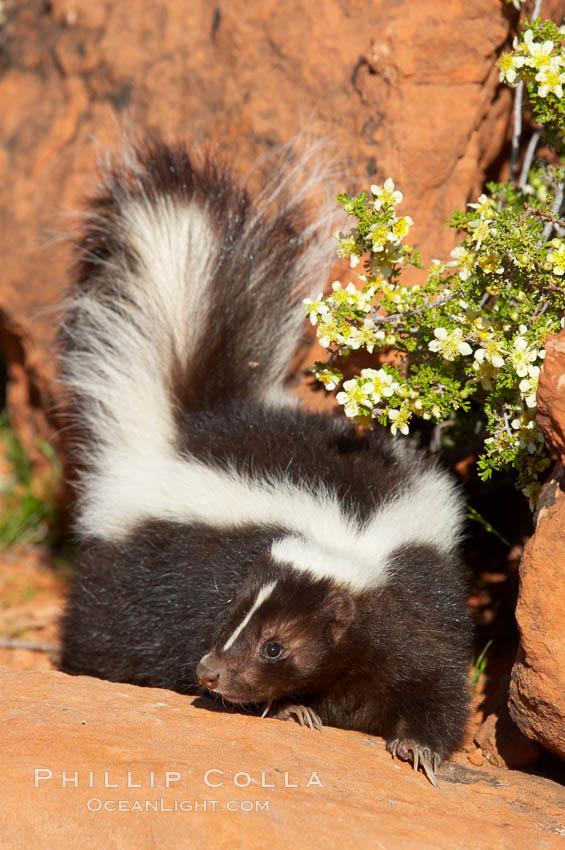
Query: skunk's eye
x=272, y=650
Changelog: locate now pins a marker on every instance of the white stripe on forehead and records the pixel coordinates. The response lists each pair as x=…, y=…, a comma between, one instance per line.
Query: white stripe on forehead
x=263, y=594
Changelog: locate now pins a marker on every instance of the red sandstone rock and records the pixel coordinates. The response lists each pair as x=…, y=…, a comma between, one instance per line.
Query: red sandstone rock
x=537, y=688
x=537, y=693
x=407, y=90
x=500, y=740
x=320, y=789
x=476, y=757
x=502, y=743
x=551, y=395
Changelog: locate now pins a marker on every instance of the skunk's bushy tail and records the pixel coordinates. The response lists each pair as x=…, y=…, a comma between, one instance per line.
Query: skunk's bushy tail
x=188, y=295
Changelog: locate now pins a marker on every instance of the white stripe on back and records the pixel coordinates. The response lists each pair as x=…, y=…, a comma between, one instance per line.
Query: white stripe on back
x=321, y=537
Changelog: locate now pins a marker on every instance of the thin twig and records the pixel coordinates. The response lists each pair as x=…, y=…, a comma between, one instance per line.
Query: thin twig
x=9, y=643
x=378, y=318
x=550, y=287
x=517, y=129
x=528, y=158
x=540, y=309
x=435, y=441
x=558, y=222
x=555, y=211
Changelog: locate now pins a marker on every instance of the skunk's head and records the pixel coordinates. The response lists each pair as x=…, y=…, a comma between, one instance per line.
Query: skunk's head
x=281, y=639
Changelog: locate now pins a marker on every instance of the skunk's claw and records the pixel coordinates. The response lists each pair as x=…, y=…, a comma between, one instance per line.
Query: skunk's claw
x=408, y=750
x=301, y=713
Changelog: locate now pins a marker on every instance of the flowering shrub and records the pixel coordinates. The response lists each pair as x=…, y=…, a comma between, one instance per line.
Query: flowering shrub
x=538, y=60
x=466, y=345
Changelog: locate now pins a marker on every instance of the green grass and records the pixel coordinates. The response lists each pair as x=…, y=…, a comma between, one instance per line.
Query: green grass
x=479, y=666
x=26, y=516
x=477, y=517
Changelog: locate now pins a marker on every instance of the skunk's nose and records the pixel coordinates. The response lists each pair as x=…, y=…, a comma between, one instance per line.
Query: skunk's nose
x=206, y=676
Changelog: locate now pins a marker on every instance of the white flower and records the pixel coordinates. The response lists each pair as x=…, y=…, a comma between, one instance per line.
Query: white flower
x=386, y=194
x=557, y=257
x=466, y=260
x=399, y=419
x=529, y=435
x=347, y=247
x=449, y=345
x=485, y=207
x=379, y=384
x=330, y=382
x=315, y=308
x=437, y=267
x=492, y=351
x=509, y=65
x=486, y=373
x=347, y=398
x=528, y=386
x=328, y=332
x=552, y=78
x=328, y=377
x=355, y=398
x=401, y=226
x=522, y=355
x=539, y=54
x=380, y=234
x=491, y=263
x=480, y=231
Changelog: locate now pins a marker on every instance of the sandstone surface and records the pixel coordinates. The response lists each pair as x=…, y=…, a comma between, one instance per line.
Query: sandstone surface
x=79, y=758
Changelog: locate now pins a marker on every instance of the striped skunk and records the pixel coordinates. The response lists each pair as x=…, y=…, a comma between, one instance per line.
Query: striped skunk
x=276, y=557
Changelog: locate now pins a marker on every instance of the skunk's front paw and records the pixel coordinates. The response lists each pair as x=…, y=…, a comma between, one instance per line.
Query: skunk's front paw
x=409, y=750
x=301, y=713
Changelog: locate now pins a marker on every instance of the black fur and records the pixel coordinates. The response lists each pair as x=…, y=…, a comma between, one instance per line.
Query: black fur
x=149, y=608
x=249, y=245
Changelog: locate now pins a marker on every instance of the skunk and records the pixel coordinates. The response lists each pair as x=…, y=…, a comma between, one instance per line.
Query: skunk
x=229, y=538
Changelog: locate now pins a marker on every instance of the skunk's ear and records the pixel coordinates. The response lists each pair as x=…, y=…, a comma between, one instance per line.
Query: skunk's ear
x=341, y=607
